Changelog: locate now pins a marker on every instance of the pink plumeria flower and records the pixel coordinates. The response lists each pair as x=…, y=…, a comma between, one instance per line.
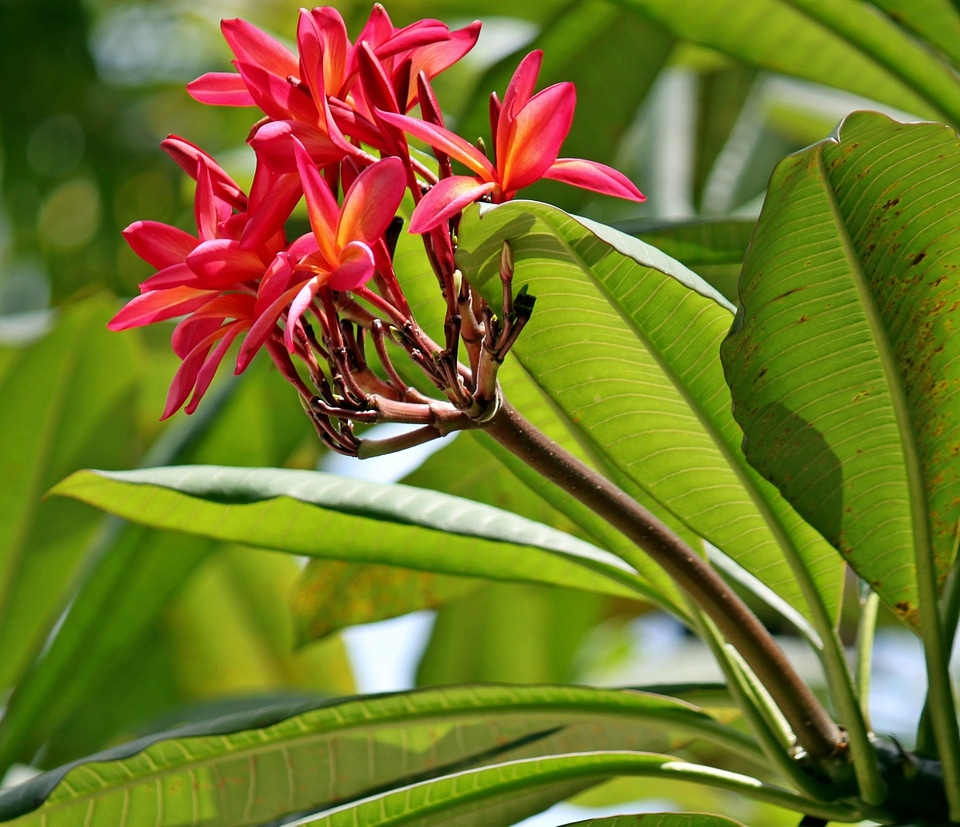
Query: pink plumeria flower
x=339, y=253
x=294, y=90
x=210, y=278
x=528, y=132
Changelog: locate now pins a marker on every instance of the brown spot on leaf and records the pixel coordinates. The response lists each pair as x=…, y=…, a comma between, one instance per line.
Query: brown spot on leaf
x=918, y=258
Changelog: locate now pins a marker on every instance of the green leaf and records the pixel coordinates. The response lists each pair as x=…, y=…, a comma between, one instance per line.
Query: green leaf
x=660, y=820
x=844, y=361
x=65, y=403
x=276, y=765
x=935, y=21
x=773, y=35
x=476, y=638
x=625, y=342
x=331, y=595
x=464, y=798
x=321, y=515
x=713, y=249
x=135, y=571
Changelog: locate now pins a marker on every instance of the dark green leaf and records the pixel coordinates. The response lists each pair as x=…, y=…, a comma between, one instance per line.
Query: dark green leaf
x=275, y=765
x=935, y=21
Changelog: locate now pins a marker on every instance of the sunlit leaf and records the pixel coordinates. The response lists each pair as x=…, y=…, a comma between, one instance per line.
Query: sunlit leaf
x=659, y=820
x=65, y=404
x=465, y=798
x=936, y=21
x=322, y=515
x=772, y=34
x=625, y=341
x=845, y=359
x=276, y=765
x=420, y=285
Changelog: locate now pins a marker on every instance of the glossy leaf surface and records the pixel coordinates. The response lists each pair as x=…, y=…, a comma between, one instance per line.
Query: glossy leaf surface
x=845, y=359
x=625, y=342
x=322, y=515
x=344, y=751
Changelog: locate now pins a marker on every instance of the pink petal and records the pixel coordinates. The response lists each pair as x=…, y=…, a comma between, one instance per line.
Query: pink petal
x=377, y=31
x=590, y=175
x=158, y=306
x=273, y=208
x=208, y=210
x=276, y=96
x=372, y=201
x=221, y=263
x=197, y=371
x=272, y=143
x=356, y=267
x=417, y=35
x=532, y=139
x=298, y=306
x=209, y=368
x=445, y=199
x=446, y=141
x=160, y=245
x=441, y=55
x=522, y=84
x=263, y=326
x=324, y=48
x=322, y=207
x=252, y=45
x=173, y=276
x=220, y=89
x=189, y=157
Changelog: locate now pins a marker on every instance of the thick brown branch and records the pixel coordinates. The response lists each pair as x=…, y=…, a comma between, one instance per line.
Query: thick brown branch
x=817, y=734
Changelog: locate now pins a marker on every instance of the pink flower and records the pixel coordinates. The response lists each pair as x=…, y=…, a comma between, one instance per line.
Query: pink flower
x=528, y=132
x=210, y=278
x=294, y=90
x=339, y=253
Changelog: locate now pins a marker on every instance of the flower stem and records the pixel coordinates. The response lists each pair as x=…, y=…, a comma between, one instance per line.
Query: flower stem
x=817, y=734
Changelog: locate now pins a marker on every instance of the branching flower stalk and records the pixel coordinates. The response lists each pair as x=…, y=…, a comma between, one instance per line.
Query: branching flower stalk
x=328, y=307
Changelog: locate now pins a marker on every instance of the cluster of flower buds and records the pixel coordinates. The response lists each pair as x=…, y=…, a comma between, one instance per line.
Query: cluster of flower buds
x=334, y=132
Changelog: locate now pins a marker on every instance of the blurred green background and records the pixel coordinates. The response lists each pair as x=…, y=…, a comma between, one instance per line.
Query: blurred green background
x=107, y=630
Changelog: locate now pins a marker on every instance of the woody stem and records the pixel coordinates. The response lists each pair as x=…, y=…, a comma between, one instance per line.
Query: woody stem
x=817, y=734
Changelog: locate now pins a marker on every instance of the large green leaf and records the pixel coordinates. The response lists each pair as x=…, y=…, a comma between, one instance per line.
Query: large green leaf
x=845, y=358
x=135, y=571
x=467, y=798
x=935, y=21
x=625, y=342
x=65, y=403
x=321, y=515
x=331, y=595
x=660, y=820
x=774, y=35
x=420, y=286
x=273, y=765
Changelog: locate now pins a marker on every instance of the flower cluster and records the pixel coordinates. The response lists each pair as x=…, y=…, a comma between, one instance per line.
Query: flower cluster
x=334, y=133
